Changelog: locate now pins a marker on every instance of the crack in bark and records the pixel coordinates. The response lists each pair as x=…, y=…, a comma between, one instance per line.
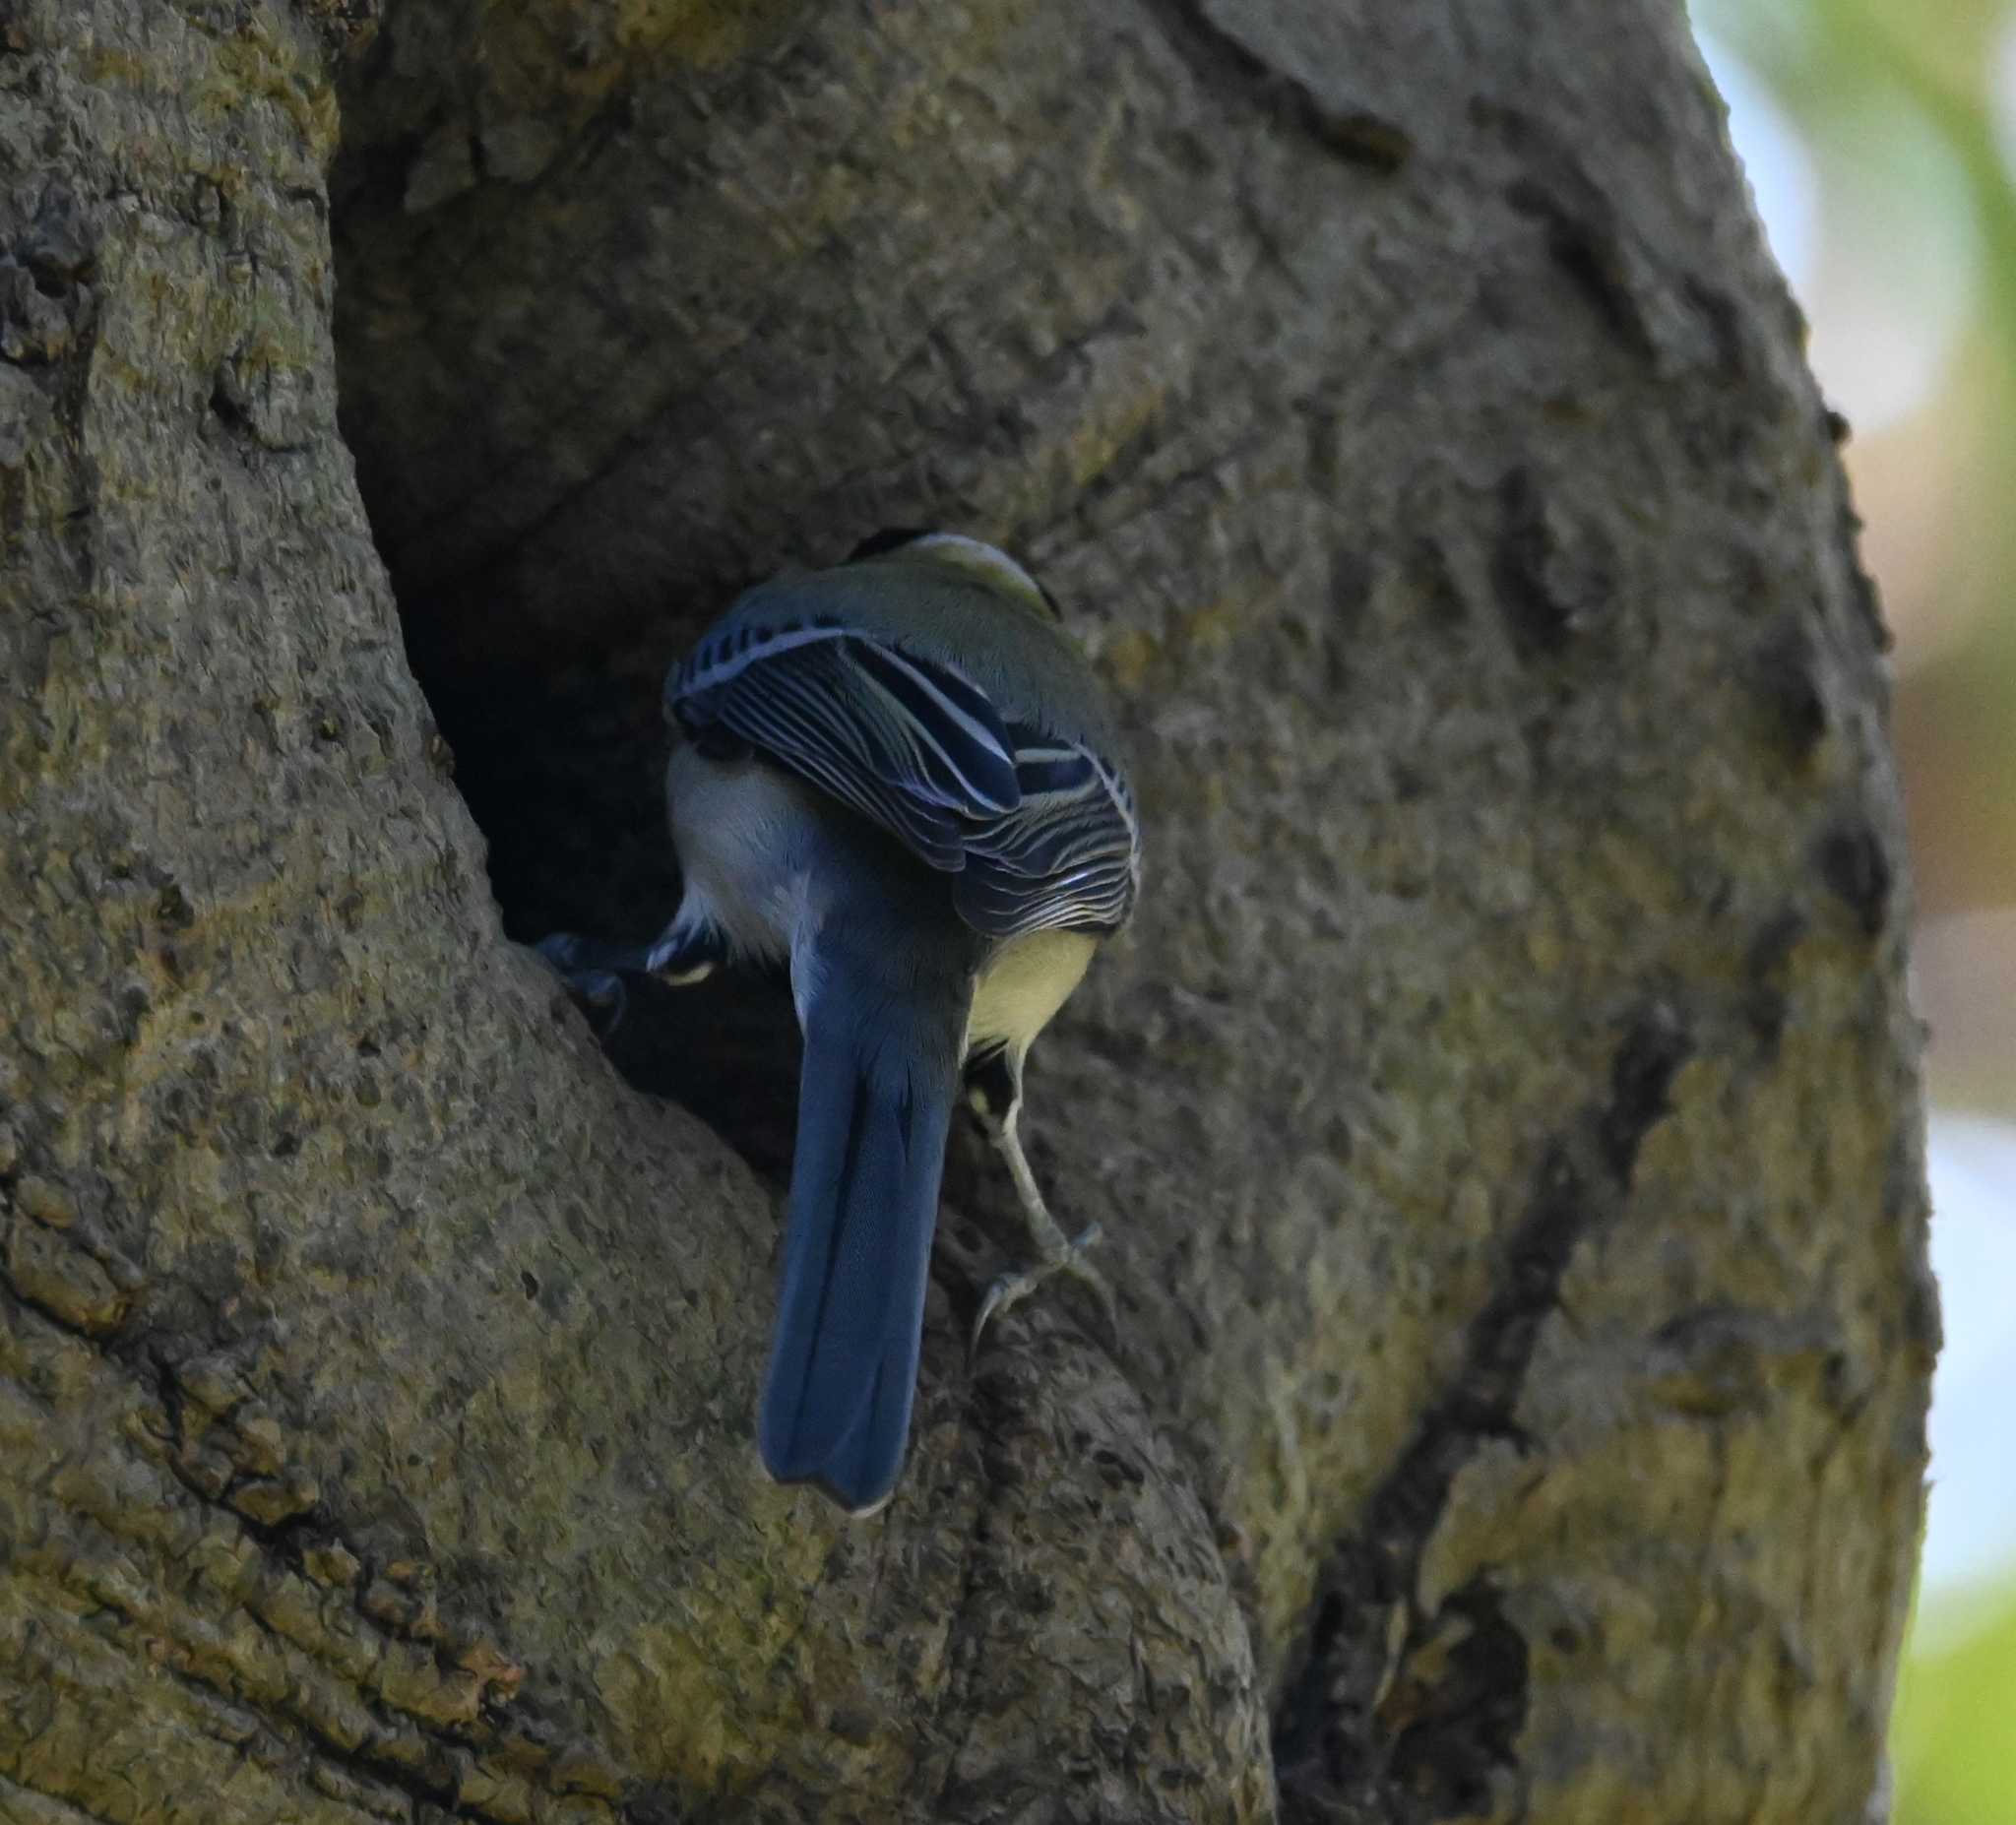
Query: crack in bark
x=1361, y=1733
x=957, y=1680
x=1554, y=576
x=126, y=1358
x=1856, y=869
x=1355, y=136
x=49, y=1808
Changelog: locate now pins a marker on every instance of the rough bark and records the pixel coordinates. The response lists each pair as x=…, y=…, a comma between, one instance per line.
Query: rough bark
x=1504, y=1115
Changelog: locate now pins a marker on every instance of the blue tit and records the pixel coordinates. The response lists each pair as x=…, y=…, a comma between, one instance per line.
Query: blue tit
x=900, y=779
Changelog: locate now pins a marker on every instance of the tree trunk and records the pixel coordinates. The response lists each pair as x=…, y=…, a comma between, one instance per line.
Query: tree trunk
x=1503, y=1115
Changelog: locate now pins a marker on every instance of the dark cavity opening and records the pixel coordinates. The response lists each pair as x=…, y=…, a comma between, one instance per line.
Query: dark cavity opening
x=543, y=679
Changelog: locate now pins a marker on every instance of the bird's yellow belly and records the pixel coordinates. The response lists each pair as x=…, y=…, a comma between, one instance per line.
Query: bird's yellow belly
x=1027, y=981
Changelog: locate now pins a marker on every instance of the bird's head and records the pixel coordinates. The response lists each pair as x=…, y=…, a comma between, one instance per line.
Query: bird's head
x=908, y=545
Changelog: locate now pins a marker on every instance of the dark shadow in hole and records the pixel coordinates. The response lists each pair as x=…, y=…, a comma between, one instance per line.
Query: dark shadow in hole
x=727, y=1049
x=561, y=768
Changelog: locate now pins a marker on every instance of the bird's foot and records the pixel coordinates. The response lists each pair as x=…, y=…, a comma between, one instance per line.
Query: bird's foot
x=590, y=972
x=1060, y=1255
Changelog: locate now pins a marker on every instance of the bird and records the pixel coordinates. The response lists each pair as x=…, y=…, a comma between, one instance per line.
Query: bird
x=900, y=779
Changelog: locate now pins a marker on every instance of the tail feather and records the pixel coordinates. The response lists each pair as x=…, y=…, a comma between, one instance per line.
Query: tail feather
x=874, y=1106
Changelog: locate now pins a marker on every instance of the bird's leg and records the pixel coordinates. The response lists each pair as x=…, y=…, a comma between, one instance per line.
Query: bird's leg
x=593, y=969
x=1056, y=1253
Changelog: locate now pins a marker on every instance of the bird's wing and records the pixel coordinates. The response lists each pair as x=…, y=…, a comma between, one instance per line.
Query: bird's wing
x=1040, y=830
x=1067, y=857
x=910, y=744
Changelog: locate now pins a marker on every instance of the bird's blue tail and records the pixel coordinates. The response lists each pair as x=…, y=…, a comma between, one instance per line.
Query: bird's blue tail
x=883, y=1030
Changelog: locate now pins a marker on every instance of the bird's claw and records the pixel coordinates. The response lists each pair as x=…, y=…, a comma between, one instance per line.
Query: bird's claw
x=599, y=993
x=601, y=996
x=561, y=949
x=1065, y=1257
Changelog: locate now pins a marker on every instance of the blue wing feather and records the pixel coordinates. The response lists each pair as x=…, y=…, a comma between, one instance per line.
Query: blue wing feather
x=1067, y=857
x=1037, y=830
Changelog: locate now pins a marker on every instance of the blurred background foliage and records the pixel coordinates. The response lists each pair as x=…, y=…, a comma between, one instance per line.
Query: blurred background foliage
x=1880, y=141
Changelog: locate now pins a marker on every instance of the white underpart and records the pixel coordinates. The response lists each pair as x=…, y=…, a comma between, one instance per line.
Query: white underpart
x=746, y=835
